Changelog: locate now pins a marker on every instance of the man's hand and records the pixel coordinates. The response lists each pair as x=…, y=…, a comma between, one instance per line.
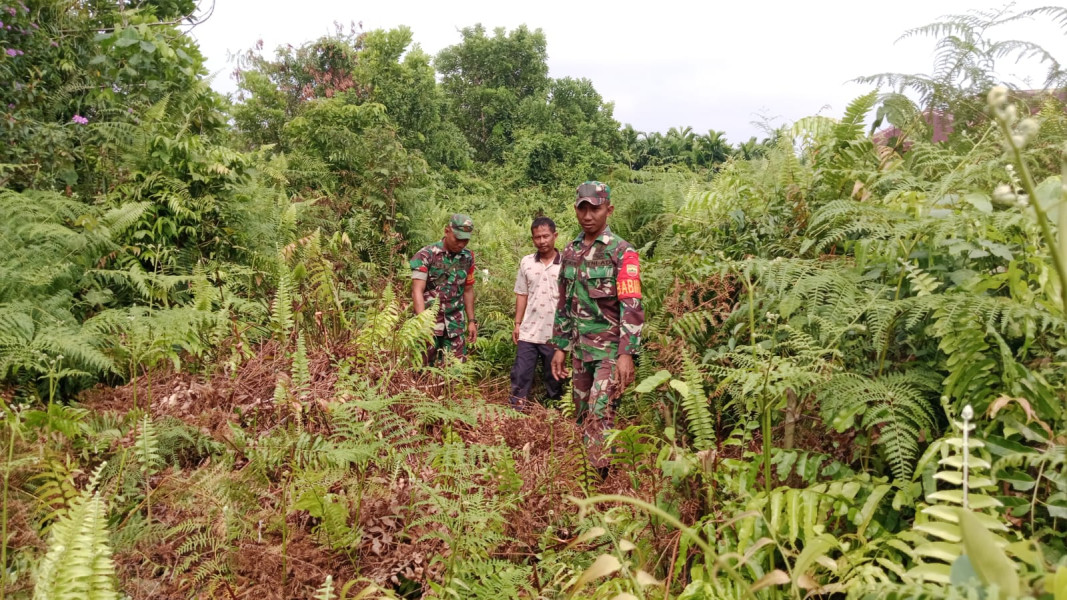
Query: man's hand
x=515, y=334
x=624, y=372
x=559, y=370
x=472, y=332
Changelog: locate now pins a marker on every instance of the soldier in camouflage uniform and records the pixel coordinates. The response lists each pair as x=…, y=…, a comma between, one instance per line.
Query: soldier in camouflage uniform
x=598, y=318
x=444, y=271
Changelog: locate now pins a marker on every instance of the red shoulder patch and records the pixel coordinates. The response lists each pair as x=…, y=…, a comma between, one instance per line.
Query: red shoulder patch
x=629, y=278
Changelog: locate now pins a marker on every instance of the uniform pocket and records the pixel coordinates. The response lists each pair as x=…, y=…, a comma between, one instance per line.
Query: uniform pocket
x=438, y=275
x=602, y=282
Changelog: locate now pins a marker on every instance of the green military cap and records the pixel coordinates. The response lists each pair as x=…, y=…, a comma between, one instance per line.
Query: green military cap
x=462, y=226
x=593, y=192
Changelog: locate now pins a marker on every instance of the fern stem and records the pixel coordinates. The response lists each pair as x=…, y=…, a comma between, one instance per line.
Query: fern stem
x=1027, y=181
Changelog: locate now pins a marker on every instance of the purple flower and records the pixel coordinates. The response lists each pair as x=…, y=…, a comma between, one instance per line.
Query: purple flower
x=11, y=9
x=80, y=120
x=53, y=43
x=11, y=52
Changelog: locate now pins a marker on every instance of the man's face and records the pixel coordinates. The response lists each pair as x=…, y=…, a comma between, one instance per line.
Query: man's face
x=453, y=243
x=544, y=239
x=593, y=218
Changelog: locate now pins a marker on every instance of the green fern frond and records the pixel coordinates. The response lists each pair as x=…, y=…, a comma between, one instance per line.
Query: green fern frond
x=416, y=334
x=281, y=314
x=146, y=447
x=698, y=419
x=325, y=591
x=78, y=564
x=381, y=327
x=925, y=284
x=851, y=126
x=899, y=406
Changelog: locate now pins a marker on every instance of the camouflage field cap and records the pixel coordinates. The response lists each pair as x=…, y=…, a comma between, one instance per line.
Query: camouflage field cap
x=593, y=192
x=462, y=226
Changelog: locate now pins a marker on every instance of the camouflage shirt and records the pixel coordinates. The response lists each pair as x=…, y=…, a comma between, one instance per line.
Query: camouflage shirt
x=447, y=274
x=599, y=311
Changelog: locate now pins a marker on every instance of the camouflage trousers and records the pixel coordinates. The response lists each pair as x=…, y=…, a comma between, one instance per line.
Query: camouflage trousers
x=442, y=343
x=595, y=398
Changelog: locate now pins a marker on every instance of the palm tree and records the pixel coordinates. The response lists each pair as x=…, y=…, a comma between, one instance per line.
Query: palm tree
x=711, y=149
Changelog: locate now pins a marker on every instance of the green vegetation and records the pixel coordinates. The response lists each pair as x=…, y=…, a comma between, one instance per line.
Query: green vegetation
x=853, y=381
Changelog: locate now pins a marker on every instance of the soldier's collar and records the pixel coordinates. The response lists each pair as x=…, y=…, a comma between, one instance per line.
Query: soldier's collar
x=604, y=238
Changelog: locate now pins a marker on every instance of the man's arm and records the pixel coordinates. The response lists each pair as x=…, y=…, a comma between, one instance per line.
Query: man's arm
x=522, y=291
x=468, y=307
x=468, y=303
x=562, y=329
x=631, y=316
x=520, y=311
x=418, y=287
x=419, y=274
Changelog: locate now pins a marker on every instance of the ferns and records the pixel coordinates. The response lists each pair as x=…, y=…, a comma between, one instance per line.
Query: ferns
x=698, y=417
x=78, y=564
x=899, y=406
x=281, y=314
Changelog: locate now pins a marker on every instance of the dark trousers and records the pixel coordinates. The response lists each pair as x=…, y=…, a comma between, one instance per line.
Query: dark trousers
x=527, y=355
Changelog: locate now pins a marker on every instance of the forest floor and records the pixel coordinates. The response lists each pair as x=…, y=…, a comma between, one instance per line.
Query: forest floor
x=183, y=553
x=391, y=553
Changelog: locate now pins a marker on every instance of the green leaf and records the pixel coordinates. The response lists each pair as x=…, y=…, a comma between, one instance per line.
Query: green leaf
x=1059, y=584
x=604, y=565
x=975, y=501
x=944, y=551
x=147, y=46
x=986, y=556
x=1057, y=508
x=946, y=531
x=652, y=382
x=1020, y=480
x=775, y=577
x=680, y=386
x=1050, y=196
x=127, y=37
x=1000, y=446
x=979, y=201
x=963, y=573
x=932, y=572
x=812, y=551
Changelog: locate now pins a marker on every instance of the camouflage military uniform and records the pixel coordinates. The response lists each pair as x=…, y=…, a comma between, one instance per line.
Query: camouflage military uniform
x=446, y=274
x=599, y=316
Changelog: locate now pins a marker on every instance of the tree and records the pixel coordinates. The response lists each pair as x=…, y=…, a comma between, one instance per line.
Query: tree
x=485, y=79
x=964, y=69
x=566, y=133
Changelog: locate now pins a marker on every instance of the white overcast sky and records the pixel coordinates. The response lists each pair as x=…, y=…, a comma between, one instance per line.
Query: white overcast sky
x=664, y=63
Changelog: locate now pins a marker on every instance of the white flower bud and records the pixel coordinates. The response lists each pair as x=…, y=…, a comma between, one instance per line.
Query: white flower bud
x=968, y=413
x=998, y=95
x=1011, y=113
x=1003, y=194
x=1018, y=141
x=1028, y=128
